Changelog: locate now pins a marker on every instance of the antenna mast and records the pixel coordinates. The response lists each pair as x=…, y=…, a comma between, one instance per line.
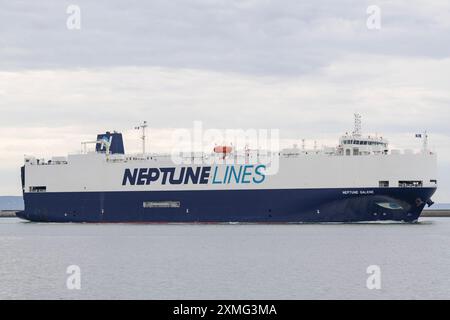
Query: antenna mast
x=357, y=130
x=143, y=126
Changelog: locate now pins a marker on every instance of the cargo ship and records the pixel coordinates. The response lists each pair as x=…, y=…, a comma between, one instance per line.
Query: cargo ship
x=359, y=180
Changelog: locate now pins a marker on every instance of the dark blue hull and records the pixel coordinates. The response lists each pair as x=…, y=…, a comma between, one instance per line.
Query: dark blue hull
x=258, y=206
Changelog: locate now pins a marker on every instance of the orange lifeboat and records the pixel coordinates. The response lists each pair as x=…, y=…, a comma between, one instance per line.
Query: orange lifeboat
x=223, y=149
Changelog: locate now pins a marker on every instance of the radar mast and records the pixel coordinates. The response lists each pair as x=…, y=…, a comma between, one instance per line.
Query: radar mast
x=142, y=126
x=357, y=131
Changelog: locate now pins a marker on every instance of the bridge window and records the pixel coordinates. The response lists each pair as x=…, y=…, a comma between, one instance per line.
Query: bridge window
x=410, y=184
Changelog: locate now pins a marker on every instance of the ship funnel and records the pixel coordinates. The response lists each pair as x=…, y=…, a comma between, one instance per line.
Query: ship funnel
x=114, y=140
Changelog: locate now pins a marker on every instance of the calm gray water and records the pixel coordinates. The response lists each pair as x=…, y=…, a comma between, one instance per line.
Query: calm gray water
x=225, y=261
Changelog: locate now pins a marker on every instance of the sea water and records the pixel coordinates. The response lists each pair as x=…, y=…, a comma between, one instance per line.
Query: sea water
x=221, y=261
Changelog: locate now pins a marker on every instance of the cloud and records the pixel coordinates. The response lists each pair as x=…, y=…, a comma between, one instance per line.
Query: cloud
x=259, y=37
x=391, y=94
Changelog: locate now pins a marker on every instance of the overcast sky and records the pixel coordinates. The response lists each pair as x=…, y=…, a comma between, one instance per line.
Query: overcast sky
x=303, y=67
